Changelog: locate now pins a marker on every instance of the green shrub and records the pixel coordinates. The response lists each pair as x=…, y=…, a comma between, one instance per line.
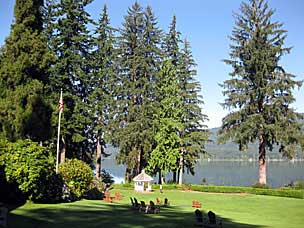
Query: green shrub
x=257, y=191
x=259, y=185
x=29, y=165
x=51, y=189
x=299, y=185
x=77, y=175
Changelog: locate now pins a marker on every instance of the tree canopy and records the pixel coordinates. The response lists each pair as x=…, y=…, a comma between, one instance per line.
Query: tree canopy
x=259, y=91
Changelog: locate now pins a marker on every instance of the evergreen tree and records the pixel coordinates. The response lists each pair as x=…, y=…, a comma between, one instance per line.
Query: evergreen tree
x=102, y=89
x=194, y=133
x=259, y=92
x=70, y=40
x=168, y=121
x=139, y=61
x=171, y=52
x=24, y=112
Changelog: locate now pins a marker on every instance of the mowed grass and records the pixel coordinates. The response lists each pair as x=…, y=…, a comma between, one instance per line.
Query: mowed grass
x=235, y=210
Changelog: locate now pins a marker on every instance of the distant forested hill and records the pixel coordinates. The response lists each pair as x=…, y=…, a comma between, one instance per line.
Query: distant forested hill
x=227, y=151
x=231, y=151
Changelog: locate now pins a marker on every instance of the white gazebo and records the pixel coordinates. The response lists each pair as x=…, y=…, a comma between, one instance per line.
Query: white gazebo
x=140, y=181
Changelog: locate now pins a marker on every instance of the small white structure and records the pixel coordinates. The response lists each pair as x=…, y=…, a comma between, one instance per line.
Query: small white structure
x=140, y=181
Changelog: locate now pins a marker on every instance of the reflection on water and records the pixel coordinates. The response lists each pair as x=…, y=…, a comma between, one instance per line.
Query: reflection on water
x=228, y=172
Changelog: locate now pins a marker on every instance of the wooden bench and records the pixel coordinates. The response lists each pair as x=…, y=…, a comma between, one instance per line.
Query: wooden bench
x=107, y=197
x=118, y=196
x=196, y=204
x=3, y=216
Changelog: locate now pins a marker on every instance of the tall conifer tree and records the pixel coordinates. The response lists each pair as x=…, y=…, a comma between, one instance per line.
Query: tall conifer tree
x=138, y=57
x=24, y=112
x=259, y=92
x=194, y=133
x=70, y=40
x=168, y=122
x=103, y=84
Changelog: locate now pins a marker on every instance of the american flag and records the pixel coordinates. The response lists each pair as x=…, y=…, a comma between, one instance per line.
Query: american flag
x=61, y=103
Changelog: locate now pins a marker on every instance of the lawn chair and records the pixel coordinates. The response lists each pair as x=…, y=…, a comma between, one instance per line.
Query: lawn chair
x=107, y=197
x=213, y=222
x=166, y=202
x=143, y=206
x=136, y=204
x=196, y=204
x=118, y=196
x=152, y=208
x=198, y=218
x=158, y=201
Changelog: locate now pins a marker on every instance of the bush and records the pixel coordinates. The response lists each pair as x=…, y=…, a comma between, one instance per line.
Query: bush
x=51, y=189
x=29, y=165
x=259, y=185
x=299, y=185
x=77, y=175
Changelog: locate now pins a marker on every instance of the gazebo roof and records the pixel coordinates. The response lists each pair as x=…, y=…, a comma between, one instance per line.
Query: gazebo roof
x=143, y=177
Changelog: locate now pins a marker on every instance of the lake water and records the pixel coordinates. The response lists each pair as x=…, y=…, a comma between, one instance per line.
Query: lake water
x=237, y=173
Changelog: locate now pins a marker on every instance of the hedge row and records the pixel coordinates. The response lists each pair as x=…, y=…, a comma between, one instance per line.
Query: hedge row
x=257, y=191
x=284, y=192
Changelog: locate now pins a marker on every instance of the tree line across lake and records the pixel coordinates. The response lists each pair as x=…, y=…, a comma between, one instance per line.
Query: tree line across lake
x=134, y=87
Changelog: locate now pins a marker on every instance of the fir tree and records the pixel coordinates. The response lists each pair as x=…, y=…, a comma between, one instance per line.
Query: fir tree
x=169, y=110
x=194, y=133
x=24, y=112
x=70, y=40
x=138, y=57
x=102, y=89
x=171, y=52
x=259, y=92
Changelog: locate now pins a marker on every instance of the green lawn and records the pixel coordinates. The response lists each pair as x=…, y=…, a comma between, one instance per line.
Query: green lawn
x=246, y=211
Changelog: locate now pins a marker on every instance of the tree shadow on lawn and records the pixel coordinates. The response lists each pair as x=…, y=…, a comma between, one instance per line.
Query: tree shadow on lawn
x=112, y=215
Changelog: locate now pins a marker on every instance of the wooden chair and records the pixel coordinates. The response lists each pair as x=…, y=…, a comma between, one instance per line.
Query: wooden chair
x=196, y=204
x=166, y=202
x=158, y=201
x=143, y=206
x=136, y=204
x=118, y=196
x=198, y=217
x=213, y=222
x=107, y=197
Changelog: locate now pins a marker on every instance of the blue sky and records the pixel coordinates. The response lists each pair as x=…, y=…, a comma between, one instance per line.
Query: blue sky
x=207, y=25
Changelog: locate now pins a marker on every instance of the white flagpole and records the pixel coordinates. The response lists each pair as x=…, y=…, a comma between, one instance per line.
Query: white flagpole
x=58, y=137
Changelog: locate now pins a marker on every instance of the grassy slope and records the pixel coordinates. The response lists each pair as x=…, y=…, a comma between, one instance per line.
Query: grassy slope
x=245, y=211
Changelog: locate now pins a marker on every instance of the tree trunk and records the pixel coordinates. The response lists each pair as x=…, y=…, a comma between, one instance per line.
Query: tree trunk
x=128, y=175
x=138, y=169
x=174, y=177
x=262, y=158
x=98, y=159
x=159, y=177
x=181, y=165
x=62, y=151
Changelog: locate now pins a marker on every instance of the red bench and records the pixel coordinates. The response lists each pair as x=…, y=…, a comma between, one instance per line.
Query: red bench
x=118, y=196
x=107, y=197
x=196, y=204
